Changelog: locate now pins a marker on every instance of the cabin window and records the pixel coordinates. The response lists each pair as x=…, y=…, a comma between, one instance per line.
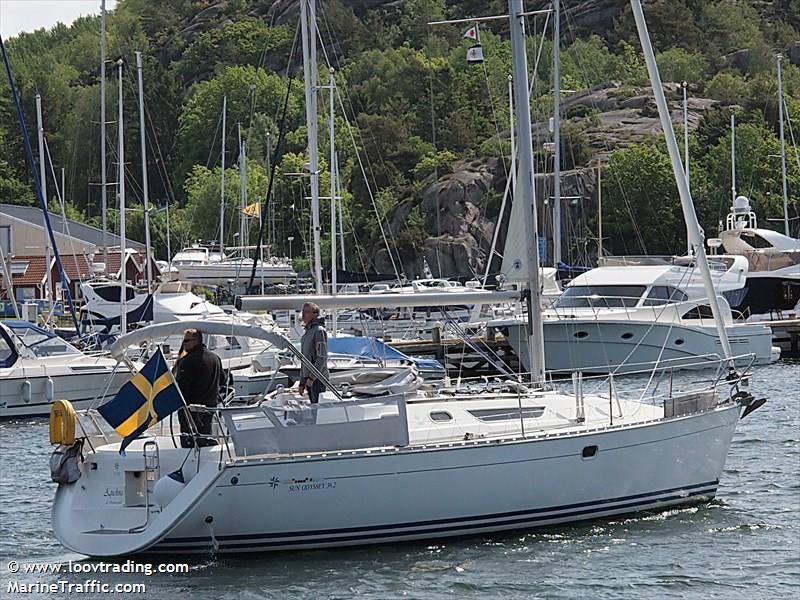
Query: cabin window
x=627, y=335
x=755, y=240
x=581, y=334
x=507, y=414
x=600, y=296
x=110, y=293
x=7, y=353
x=699, y=312
x=441, y=416
x=664, y=294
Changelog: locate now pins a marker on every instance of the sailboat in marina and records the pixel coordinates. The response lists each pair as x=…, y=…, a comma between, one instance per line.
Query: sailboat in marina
x=411, y=465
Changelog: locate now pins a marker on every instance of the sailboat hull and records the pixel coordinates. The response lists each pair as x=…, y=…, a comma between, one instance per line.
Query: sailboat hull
x=419, y=493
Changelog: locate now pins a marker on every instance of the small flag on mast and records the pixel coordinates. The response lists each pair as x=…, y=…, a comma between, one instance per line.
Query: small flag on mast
x=252, y=210
x=472, y=33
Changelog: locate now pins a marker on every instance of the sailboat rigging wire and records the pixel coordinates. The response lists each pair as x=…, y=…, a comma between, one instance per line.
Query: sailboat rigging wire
x=65, y=222
x=275, y=159
x=343, y=86
x=791, y=132
x=369, y=190
x=37, y=185
x=459, y=331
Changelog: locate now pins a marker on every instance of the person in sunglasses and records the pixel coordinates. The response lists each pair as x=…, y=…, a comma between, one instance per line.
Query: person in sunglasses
x=199, y=375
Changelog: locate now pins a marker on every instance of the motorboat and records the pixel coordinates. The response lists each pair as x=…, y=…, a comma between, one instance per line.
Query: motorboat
x=353, y=354
x=172, y=301
x=37, y=367
x=364, y=469
x=652, y=310
x=202, y=266
x=772, y=289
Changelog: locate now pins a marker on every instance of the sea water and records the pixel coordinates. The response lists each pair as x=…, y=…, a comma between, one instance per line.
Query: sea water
x=745, y=544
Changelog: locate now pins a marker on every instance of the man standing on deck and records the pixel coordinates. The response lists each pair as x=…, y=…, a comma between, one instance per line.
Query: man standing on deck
x=314, y=346
x=199, y=374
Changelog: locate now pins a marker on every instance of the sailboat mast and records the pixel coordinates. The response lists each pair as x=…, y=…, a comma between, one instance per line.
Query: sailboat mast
x=48, y=295
x=684, y=85
x=692, y=225
x=556, y=132
x=123, y=316
x=103, y=173
x=222, y=182
x=525, y=191
x=733, y=157
x=332, y=142
x=308, y=26
x=599, y=214
x=242, y=195
x=145, y=196
x=783, y=150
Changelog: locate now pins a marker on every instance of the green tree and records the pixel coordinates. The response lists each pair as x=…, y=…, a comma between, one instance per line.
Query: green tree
x=249, y=92
x=641, y=209
x=246, y=42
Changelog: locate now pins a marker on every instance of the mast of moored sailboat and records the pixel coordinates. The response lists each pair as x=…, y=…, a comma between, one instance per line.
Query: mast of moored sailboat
x=103, y=174
x=308, y=27
x=48, y=295
x=123, y=279
x=783, y=151
x=145, y=198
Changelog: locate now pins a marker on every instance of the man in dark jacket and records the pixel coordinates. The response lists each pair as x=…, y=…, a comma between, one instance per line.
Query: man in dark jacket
x=199, y=375
x=314, y=346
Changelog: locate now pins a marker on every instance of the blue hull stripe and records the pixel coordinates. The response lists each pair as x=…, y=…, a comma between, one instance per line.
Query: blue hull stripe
x=452, y=526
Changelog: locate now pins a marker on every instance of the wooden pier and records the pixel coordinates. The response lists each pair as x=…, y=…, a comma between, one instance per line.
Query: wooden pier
x=471, y=358
x=786, y=335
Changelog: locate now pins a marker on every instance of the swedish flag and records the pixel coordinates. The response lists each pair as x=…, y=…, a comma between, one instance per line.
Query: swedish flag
x=148, y=397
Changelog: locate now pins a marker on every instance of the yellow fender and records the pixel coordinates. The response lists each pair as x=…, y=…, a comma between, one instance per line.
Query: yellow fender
x=62, y=423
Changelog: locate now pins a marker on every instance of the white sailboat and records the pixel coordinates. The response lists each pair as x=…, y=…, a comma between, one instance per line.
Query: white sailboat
x=407, y=466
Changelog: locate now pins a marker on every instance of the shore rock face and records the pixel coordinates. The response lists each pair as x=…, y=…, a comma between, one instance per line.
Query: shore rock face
x=460, y=209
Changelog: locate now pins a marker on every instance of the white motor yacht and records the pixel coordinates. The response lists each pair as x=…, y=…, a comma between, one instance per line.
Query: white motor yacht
x=172, y=301
x=772, y=289
x=37, y=367
x=200, y=265
x=624, y=319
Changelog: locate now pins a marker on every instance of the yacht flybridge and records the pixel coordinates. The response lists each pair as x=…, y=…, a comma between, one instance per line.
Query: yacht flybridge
x=637, y=312
x=416, y=463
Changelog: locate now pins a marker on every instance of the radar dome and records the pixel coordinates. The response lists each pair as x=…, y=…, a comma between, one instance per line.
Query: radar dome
x=741, y=204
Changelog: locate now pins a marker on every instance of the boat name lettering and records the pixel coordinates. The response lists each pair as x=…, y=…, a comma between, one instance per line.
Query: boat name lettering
x=308, y=487
x=114, y=495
